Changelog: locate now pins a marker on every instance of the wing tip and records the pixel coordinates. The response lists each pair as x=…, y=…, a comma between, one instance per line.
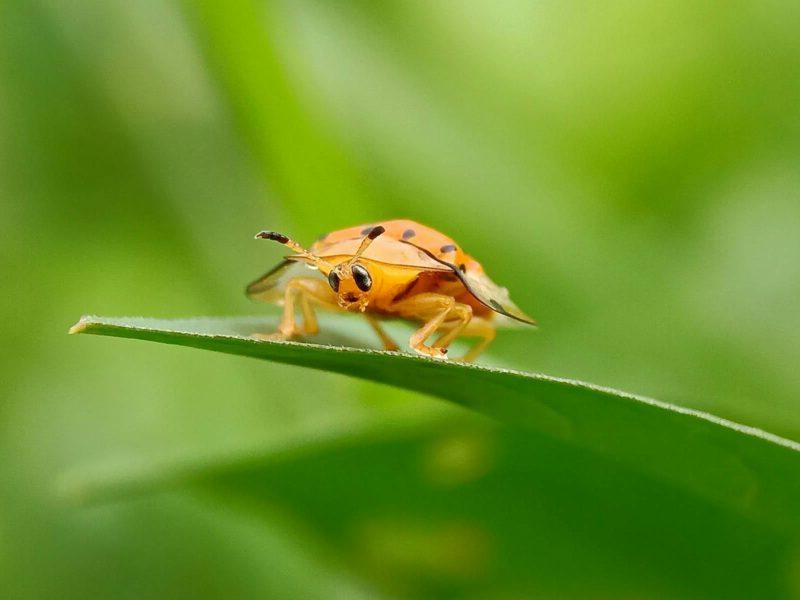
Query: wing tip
x=522, y=318
x=263, y=283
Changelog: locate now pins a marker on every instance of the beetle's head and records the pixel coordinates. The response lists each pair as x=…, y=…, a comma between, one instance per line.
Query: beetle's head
x=350, y=280
x=353, y=284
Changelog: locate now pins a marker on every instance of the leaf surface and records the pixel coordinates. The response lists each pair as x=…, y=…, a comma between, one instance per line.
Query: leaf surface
x=744, y=469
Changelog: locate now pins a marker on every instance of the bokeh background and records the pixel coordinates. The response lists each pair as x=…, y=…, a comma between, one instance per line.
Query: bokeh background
x=629, y=170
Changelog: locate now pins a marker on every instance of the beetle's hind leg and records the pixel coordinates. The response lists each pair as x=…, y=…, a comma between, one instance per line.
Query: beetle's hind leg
x=303, y=291
x=467, y=327
x=436, y=311
x=479, y=328
x=451, y=329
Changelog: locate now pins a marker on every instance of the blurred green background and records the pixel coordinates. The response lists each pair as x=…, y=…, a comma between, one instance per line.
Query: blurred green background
x=629, y=170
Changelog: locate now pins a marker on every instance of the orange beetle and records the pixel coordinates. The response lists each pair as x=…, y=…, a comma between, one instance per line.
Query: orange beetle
x=393, y=269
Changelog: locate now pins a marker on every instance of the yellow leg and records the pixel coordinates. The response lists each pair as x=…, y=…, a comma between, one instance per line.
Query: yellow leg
x=388, y=342
x=463, y=316
x=434, y=310
x=305, y=291
x=475, y=327
x=480, y=328
x=310, y=323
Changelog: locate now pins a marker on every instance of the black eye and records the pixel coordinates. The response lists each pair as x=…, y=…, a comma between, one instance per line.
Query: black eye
x=362, y=278
x=333, y=279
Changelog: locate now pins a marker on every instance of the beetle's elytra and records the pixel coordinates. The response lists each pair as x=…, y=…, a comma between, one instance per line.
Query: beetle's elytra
x=398, y=269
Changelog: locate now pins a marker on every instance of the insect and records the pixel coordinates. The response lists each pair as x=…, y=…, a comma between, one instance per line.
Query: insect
x=395, y=269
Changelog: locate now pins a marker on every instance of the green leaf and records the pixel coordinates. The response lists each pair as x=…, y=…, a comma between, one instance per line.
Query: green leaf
x=486, y=511
x=743, y=469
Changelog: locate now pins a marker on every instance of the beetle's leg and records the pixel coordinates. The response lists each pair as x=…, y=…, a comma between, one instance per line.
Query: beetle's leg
x=310, y=324
x=309, y=291
x=477, y=327
x=423, y=304
x=388, y=342
x=480, y=328
x=463, y=316
x=305, y=291
x=434, y=310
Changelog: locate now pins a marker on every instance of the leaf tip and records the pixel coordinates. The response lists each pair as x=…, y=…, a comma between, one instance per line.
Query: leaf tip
x=81, y=325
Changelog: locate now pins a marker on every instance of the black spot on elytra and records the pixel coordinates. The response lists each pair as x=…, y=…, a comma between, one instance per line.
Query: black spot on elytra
x=462, y=267
x=367, y=230
x=408, y=234
x=447, y=248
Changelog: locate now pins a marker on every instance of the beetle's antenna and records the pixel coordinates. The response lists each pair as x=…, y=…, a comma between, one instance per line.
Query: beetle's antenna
x=293, y=246
x=368, y=239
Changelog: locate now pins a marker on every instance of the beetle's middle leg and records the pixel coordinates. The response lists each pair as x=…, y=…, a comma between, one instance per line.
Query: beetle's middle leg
x=435, y=310
x=303, y=291
x=388, y=342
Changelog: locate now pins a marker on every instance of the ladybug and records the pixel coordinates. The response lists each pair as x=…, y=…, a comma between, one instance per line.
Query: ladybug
x=395, y=269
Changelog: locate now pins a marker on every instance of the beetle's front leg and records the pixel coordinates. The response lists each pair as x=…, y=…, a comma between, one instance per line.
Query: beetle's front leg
x=303, y=291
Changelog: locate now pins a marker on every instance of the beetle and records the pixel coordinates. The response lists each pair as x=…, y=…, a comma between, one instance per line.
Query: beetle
x=397, y=268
